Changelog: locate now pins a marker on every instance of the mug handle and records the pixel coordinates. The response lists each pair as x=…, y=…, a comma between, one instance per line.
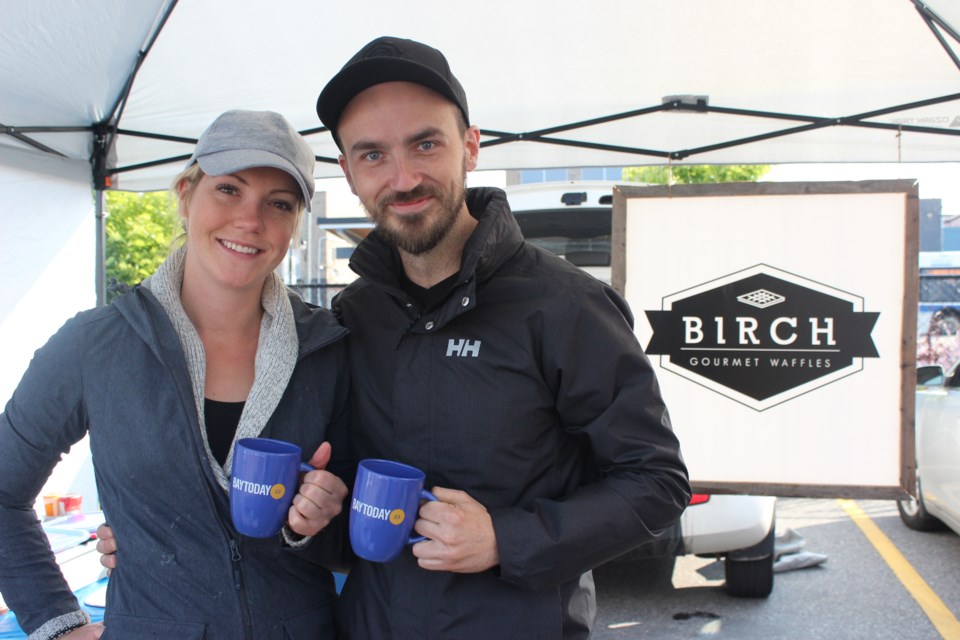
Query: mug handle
x=424, y=495
x=304, y=467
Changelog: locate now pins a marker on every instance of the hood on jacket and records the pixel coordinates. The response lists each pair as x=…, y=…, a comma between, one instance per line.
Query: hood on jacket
x=496, y=238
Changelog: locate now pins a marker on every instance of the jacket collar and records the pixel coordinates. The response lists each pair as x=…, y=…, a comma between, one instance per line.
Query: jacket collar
x=496, y=238
x=315, y=329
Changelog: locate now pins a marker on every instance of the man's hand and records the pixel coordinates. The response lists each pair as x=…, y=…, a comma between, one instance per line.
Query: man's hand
x=320, y=498
x=460, y=532
x=91, y=631
x=107, y=546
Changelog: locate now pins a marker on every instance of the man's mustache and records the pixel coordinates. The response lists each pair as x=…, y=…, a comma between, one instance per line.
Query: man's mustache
x=400, y=197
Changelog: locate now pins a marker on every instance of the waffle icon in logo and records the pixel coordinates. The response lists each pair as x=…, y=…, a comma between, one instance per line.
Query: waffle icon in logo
x=761, y=298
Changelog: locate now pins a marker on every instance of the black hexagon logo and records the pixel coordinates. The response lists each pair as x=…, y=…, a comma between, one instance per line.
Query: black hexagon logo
x=762, y=336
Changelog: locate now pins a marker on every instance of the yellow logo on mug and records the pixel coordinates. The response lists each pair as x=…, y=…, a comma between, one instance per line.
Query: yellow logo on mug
x=277, y=491
x=397, y=516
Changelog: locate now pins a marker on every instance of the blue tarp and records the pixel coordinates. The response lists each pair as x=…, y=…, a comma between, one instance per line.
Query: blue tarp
x=8, y=622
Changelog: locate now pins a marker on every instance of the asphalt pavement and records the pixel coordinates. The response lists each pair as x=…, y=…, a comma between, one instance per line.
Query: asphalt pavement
x=893, y=583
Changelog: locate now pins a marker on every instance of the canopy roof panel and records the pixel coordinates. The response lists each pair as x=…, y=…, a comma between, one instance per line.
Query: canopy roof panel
x=548, y=82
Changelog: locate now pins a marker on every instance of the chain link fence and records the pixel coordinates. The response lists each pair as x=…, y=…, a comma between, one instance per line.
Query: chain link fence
x=940, y=289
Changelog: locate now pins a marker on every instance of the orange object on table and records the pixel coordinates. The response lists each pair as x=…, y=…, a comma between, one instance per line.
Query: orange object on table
x=51, y=505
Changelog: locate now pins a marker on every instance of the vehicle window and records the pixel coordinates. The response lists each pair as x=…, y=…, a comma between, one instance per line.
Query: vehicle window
x=582, y=236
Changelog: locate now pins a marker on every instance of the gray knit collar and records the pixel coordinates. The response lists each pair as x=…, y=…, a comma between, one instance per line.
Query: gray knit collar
x=275, y=360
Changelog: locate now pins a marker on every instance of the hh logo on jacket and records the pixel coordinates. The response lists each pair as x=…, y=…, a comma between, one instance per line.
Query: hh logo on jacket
x=463, y=348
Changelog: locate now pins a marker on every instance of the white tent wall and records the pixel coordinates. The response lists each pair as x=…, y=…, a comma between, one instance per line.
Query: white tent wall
x=47, y=266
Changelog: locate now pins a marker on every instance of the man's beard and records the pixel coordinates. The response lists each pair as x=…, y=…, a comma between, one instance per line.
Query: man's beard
x=416, y=234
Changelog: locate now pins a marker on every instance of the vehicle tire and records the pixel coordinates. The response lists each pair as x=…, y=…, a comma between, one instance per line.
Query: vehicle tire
x=914, y=513
x=753, y=577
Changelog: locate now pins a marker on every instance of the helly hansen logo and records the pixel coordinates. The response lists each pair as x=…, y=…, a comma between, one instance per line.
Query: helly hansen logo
x=463, y=348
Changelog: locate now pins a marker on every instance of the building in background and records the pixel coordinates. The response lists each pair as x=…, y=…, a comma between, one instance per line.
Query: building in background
x=931, y=226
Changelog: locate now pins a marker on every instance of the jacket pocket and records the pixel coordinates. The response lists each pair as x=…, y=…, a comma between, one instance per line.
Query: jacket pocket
x=126, y=626
x=312, y=625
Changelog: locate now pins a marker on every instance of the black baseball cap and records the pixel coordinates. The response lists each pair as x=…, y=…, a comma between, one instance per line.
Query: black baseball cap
x=388, y=59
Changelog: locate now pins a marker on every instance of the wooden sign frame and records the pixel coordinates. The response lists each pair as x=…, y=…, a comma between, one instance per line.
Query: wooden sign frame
x=781, y=321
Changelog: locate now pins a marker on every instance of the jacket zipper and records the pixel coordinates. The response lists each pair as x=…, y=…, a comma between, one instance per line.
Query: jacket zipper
x=235, y=556
x=413, y=316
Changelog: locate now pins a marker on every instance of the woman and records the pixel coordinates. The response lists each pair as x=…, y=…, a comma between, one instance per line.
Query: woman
x=209, y=349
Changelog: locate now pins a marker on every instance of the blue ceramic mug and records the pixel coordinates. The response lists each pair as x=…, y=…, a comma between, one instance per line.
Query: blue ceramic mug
x=264, y=481
x=386, y=499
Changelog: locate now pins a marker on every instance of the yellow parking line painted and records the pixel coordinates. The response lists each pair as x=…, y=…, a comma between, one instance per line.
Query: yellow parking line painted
x=943, y=620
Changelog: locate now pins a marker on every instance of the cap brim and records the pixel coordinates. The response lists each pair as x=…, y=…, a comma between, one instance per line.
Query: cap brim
x=234, y=160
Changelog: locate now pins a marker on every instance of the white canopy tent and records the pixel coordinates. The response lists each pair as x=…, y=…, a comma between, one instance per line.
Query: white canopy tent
x=552, y=84
x=98, y=93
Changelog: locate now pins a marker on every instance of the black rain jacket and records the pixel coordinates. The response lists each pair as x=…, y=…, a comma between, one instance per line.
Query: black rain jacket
x=526, y=388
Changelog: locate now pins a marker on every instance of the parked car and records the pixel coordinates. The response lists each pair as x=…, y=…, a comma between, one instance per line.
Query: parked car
x=573, y=220
x=936, y=505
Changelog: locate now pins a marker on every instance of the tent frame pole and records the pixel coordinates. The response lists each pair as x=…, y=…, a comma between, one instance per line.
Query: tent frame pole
x=101, y=251
x=104, y=136
x=101, y=181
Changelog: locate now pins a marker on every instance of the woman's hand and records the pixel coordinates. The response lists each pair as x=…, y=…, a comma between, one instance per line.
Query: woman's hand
x=90, y=631
x=320, y=498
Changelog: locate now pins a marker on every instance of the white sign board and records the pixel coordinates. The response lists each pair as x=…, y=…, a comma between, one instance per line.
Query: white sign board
x=781, y=321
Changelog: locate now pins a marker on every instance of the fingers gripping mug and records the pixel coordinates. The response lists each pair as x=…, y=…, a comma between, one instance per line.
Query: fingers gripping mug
x=263, y=483
x=386, y=499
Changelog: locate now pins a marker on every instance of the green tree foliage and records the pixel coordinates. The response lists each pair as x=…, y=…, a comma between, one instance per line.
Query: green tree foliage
x=696, y=173
x=140, y=229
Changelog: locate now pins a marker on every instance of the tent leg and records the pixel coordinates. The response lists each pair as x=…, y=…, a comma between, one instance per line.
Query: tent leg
x=101, y=275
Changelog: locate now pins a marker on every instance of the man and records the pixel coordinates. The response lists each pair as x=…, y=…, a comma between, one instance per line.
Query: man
x=510, y=377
